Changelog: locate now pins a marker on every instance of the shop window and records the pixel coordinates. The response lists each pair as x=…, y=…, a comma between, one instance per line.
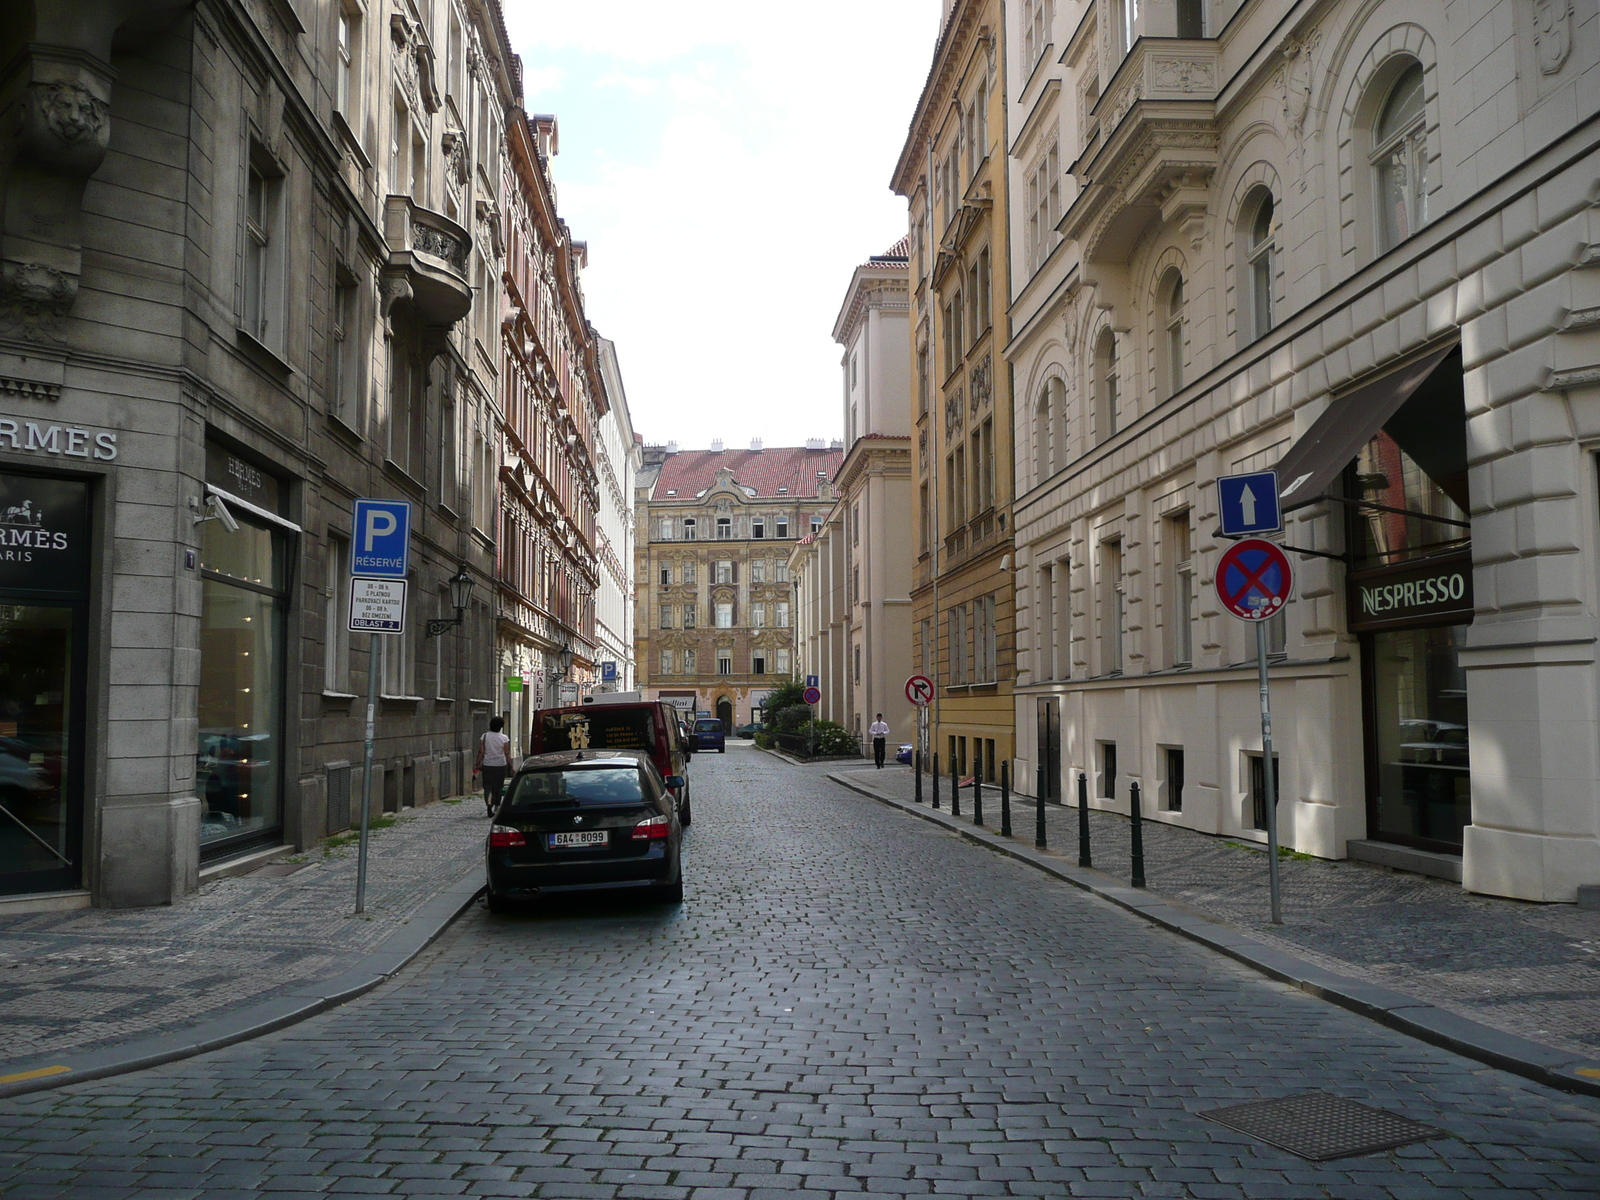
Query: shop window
x=1399, y=160
x=1419, y=712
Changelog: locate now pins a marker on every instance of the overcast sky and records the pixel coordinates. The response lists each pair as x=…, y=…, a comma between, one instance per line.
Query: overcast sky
x=728, y=163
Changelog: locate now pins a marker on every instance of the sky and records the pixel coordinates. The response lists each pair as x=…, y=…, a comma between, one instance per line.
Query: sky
x=728, y=163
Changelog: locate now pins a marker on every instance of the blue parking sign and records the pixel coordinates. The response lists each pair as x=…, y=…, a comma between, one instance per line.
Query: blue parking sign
x=380, y=542
x=1248, y=504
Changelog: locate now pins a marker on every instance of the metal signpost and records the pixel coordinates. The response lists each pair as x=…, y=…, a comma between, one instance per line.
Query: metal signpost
x=919, y=690
x=1254, y=581
x=380, y=559
x=812, y=696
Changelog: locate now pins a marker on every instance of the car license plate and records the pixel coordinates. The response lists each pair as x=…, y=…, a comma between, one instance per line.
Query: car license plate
x=569, y=841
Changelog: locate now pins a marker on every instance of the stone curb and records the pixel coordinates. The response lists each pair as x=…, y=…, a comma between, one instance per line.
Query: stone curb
x=1418, y=1018
x=296, y=1004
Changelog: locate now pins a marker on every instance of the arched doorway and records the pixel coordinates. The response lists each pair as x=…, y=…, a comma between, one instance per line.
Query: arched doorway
x=725, y=713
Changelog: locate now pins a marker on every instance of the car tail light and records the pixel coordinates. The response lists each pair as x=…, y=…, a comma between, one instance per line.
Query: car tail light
x=652, y=828
x=504, y=835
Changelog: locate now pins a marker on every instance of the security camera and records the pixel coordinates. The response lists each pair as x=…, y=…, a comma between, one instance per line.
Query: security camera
x=219, y=510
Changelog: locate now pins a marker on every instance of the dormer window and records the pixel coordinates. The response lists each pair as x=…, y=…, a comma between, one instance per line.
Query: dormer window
x=672, y=491
x=783, y=489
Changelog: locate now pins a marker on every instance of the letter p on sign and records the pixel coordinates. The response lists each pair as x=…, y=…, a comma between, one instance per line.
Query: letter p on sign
x=381, y=548
x=380, y=524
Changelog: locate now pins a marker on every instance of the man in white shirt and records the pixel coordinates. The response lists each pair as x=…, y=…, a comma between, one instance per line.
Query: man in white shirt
x=880, y=732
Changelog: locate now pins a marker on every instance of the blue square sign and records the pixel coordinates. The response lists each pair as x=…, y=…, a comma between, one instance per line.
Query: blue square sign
x=380, y=542
x=1248, y=504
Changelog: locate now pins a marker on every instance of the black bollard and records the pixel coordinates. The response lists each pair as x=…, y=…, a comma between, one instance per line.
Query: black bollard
x=1005, y=799
x=977, y=787
x=1038, y=824
x=936, y=779
x=955, y=787
x=1138, y=835
x=1084, y=859
x=917, y=755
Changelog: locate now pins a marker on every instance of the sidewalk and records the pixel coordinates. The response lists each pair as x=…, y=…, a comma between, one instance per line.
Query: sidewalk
x=94, y=983
x=1530, y=970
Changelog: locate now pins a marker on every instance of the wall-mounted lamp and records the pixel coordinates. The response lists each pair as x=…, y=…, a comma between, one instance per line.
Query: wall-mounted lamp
x=460, y=596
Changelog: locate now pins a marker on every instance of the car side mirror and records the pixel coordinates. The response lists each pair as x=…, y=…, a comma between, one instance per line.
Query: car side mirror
x=674, y=781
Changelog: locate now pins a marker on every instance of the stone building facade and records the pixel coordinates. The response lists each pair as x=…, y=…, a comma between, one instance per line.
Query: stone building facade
x=1355, y=242
x=714, y=615
x=952, y=171
x=240, y=250
x=621, y=451
x=852, y=577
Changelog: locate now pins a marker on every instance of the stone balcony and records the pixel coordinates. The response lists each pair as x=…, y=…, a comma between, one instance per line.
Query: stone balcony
x=1151, y=147
x=427, y=265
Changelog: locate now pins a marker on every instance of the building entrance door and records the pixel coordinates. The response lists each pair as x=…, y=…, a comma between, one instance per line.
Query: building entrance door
x=725, y=714
x=1049, y=720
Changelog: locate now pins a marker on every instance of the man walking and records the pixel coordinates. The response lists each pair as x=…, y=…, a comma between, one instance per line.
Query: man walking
x=880, y=734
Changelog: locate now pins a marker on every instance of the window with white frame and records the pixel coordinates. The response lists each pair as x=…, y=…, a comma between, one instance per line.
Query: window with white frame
x=262, y=287
x=1171, y=341
x=347, y=52
x=1044, y=207
x=1399, y=160
x=1107, y=384
x=1113, y=589
x=781, y=655
x=986, y=663
x=1037, y=16
x=344, y=359
x=722, y=571
x=758, y=662
x=782, y=530
x=1181, y=616
x=688, y=572
x=724, y=528
x=758, y=570
x=691, y=661
x=666, y=529
x=666, y=576
x=723, y=611
x=666, y=616
x=758, y=614
x=1257, y=265
x=724, y=661
x=758, y=527
x=780, y=572
x=691, y=529
x=781, y=617
x=399, y=665
x=690, y=617
x=667, y=657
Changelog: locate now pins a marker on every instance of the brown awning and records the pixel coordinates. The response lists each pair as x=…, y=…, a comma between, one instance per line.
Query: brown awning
x=1312, y=464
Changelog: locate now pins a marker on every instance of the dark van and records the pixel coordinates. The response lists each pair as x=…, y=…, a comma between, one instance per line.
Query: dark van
x=646, y=725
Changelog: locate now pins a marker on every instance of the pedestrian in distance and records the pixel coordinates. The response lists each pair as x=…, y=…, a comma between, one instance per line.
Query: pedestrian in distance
x=880, y=733
x=493, y=750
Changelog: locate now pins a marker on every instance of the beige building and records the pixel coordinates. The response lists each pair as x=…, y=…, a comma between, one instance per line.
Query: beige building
x=852, y=577
x=714, y=608
x=1355, y=242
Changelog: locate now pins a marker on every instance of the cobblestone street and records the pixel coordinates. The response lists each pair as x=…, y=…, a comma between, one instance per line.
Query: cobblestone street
x=851, y=1002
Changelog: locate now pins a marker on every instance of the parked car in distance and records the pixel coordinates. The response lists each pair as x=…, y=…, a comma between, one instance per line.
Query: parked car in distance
x=903, y=755
x=582, y=821
x=646, y=725
x=708, y=735
x=747, y=731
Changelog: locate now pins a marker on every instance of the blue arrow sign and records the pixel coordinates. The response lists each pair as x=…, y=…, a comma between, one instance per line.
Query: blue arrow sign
x=1248, y=504
x=380, y=542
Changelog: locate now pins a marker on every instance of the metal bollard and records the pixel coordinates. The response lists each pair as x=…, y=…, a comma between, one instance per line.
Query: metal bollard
x=936, y=779
x=1005, y=799
x=917, y=767
x=977, y=788
x=955, y=787
x=1084, y=860
x=1038, y=824
x=1138, y=835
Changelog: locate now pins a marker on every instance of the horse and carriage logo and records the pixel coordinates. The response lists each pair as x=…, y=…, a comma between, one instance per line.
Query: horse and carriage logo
x=24, y=514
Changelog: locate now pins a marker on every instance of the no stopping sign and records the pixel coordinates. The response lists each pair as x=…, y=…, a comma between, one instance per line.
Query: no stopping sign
x=1254, y=579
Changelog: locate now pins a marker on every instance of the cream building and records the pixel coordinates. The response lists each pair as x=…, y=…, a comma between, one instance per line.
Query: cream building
x=1356, y=242
x=618, y=465
x=853, y=576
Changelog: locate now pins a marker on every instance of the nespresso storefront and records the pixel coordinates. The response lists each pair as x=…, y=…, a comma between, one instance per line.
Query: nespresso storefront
x=1392, y=455
x=44, y=605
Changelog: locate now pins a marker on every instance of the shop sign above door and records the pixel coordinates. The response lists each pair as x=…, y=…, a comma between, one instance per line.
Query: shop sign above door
x=234, y=475
x=1429, y=591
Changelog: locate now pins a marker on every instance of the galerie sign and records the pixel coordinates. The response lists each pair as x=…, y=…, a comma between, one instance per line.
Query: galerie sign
x=1429, y=591
x=44, y=534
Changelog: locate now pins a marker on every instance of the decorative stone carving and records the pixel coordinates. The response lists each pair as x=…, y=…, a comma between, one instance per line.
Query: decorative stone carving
x=458, y=167
x=1552, y=33
x=425, y=239
x=1294, y=86
x=954, y=413
x=1183, y=74
x=70, y=115
x=979, y=380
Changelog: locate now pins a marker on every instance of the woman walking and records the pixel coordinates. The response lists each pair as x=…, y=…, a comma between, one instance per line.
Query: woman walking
x=492, y=761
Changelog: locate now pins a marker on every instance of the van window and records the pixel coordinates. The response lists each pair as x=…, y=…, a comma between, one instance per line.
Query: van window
x=603, y=728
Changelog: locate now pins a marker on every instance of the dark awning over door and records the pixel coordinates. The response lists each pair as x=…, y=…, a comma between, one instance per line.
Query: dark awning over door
x=1312, y=464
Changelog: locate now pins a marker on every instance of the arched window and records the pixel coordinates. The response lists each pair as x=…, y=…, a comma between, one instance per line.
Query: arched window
x=1400, y=161
x=1258, y=267
x=1041, y=436
x=1106, y=384
x=1172, y=335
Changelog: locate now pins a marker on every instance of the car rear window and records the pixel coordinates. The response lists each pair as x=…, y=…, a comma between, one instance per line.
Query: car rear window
x=600, y=729
x=708, y=726
x=585, y=785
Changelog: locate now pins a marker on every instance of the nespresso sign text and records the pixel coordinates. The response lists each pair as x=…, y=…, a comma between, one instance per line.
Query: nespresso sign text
x=63, y=441
x=1424, y=592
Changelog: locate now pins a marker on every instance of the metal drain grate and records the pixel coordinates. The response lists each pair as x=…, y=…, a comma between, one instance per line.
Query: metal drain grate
x=1320, y=1127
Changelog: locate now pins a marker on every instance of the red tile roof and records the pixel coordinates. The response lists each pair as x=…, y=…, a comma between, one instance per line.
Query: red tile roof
x=901, y=249
x=691, y=471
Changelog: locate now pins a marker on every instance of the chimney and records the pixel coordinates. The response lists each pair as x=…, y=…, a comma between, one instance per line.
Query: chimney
x=836, y=444
x=672, y=447
x=814, y=444
x=716, y=445
x=755, y=443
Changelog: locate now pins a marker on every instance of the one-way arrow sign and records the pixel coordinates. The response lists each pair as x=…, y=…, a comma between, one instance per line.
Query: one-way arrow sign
x=1248, y=504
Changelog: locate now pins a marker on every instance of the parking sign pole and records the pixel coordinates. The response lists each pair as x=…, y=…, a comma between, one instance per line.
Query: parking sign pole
x=366, y=775
x=1268, y=774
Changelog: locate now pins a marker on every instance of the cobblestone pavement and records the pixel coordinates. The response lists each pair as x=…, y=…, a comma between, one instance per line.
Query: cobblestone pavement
x=96, y=977
x=852, y=1003
x=1527, y=969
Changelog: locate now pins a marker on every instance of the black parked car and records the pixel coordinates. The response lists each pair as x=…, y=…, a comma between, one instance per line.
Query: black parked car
x=586, y=820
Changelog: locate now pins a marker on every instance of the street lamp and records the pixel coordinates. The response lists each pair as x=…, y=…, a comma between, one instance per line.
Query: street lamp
x=460, y=594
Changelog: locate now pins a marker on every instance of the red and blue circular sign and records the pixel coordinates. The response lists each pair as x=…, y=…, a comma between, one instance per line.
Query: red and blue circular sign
x=812, y=695
x=1254, y=579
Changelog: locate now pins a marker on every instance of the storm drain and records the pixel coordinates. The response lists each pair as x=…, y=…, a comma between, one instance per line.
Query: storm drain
x=1320, y=1127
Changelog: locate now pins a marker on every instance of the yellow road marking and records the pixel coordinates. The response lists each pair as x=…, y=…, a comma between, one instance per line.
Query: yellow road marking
x=39, y=1074
x=1589, y=1072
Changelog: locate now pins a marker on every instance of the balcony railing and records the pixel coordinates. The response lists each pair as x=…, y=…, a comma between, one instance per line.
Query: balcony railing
x=427, y=265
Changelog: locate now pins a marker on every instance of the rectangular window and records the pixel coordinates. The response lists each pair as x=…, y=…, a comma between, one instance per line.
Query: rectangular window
x=666, y=576
x=690, y=529
x=1108, y=770
x=344, y=382
x=688, y=572
x=666, y=616
x=666, y=529
x=261, y=307
x=1258, y=788
x=758, y=662
x=691, y=662
x=1111, y=567
x=858, y=662
x=816, y=524
x=689, y=616
x=722, y=572
x=399, y=665
x=986, y=476
x=724, y=528
x=758, y=615
x=925, y=646
x=957, y=327
x=336, y=637
x=782, y=656
x=666, y=662
x=782, y=621
x=780, y=572
x=724, y=662
x=783, y=527
x=925, y=525
x=724, y=615
x=855, y=524
x=758, y=570
x=1182, y=578
x=758, y=527
x=348, y=53
x=1172, y=799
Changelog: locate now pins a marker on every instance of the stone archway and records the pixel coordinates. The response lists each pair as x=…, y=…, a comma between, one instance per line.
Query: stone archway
x=725, y=713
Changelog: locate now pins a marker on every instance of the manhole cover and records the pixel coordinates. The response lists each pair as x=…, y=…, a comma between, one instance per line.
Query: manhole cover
x=1320, y=1127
